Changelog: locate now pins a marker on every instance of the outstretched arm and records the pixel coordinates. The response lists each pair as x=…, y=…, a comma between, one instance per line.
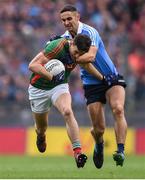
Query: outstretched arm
x=92, y=70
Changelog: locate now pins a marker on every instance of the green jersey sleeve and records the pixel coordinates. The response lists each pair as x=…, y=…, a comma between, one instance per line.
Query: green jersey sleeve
x=54, y=48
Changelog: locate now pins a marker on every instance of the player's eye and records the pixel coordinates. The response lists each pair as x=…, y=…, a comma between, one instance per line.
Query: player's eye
x=63, y=20
x=69, y=18
x=76, y=52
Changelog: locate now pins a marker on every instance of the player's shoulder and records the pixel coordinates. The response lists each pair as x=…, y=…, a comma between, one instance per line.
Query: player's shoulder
x=66, y=35
x=89, y=29
x=56, y=42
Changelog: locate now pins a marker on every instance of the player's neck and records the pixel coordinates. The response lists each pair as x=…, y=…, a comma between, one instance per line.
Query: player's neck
x=73, y=33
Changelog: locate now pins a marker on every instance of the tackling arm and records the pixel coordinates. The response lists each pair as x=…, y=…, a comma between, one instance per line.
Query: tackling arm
x=87, y=57
x=84, y=60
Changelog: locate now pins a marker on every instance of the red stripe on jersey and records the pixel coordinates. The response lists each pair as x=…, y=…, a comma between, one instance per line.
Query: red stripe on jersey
x=35, y=78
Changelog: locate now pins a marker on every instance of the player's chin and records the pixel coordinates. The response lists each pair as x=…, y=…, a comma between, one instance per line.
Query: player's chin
x=69, y=28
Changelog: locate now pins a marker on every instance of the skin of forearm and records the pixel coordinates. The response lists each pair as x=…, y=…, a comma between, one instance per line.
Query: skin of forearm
x=39, y=69
x=85, y=58
x=36, y=66
x=92, y=70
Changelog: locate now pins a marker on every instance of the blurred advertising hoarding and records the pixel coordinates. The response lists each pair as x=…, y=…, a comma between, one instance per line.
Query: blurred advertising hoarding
x=23, y=141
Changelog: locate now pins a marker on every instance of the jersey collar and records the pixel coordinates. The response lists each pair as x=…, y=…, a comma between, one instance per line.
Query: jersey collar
x=80, y=28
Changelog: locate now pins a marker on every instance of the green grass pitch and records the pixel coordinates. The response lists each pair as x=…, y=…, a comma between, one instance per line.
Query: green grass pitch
x=43, y=167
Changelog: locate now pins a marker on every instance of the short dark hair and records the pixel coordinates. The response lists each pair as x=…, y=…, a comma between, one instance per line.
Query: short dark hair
x=83, y=42
x=68, y=7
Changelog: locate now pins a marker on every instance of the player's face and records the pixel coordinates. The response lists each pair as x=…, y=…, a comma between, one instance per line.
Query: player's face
x=70, y=20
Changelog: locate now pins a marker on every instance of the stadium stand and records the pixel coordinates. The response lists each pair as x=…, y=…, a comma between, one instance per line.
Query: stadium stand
x=25, y=27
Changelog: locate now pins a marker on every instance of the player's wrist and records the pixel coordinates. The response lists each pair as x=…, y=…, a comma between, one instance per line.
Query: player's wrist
x=50, y=77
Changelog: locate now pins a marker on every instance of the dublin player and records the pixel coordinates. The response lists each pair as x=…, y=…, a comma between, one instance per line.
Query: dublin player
x=97, y=92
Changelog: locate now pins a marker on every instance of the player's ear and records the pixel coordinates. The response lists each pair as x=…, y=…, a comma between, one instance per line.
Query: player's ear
x=78, y=16
x=71, y=42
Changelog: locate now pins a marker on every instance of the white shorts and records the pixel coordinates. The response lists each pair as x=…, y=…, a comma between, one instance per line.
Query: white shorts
x=42, y=100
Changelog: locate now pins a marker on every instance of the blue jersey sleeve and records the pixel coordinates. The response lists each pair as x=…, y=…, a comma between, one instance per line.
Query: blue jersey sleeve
x=93, y=34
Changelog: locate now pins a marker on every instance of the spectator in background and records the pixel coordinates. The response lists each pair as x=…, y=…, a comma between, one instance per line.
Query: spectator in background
x=136, y=62
x=137, y=34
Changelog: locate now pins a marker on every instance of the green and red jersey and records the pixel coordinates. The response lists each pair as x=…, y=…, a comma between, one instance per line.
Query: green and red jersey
x=56, y=49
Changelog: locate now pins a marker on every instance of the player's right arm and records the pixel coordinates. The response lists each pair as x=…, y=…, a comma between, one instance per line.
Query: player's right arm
x=50, y=51
x=36, y=66
x=88, y=57
x=91, y=54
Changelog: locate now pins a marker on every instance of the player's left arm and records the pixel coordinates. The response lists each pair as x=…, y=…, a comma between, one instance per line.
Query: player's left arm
x=88, y=57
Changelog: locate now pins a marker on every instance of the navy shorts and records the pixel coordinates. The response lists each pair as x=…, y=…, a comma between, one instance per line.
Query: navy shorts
x=97, y=92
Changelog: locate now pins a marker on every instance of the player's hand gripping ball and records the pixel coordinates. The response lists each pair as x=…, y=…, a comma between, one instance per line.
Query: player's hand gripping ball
x=57, y=69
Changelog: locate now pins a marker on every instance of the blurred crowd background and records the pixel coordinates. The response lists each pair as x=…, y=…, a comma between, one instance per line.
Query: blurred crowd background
x=25, y=27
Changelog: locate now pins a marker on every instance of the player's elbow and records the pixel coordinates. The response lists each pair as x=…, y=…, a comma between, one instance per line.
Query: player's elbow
x=91, y=58
x=31, y=66
x=92, y=53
